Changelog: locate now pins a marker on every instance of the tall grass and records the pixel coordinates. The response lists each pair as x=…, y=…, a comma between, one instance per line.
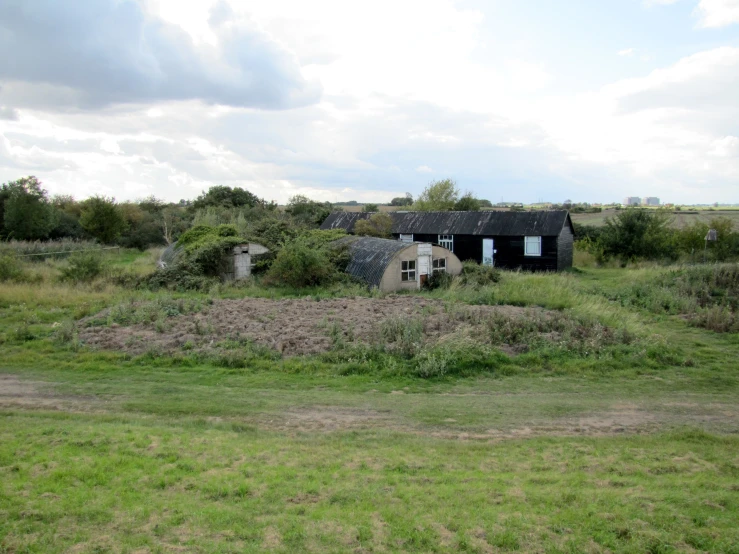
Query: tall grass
x=708, y=295
x=50, y=247
x=551, y=291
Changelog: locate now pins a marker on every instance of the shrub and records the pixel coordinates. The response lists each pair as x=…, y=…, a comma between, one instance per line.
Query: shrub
x=83, y=266
x=479, y=275
x=298, y=265
x=378, y=225
x=636, y=234
x=314, y=259
x=435, y=363
x=439, y=280
x=10, y=267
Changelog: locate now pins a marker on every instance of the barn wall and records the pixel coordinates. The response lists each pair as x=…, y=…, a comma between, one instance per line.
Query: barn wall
x=510, y=251
x=565, y=248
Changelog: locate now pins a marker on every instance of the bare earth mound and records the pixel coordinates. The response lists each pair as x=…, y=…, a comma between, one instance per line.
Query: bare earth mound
x=292, y=326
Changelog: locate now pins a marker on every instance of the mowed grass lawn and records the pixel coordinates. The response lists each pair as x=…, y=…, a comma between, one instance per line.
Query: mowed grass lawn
x=105, y=453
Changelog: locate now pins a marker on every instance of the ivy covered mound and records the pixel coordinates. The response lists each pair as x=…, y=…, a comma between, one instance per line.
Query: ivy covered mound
x=295, y=259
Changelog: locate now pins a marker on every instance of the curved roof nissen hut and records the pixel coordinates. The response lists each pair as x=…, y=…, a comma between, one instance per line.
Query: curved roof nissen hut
x=391, y=265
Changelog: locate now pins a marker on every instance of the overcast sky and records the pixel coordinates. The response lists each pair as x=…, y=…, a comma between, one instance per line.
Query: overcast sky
x=520, y=100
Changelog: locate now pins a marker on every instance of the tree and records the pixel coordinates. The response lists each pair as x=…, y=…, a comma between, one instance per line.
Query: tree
x=467, y=203
x=227, y=197
x=172, y=222
x=638, y=234
x=27, y=212
x=102, y=219
x=308, y=211
x=406, y=200
x=152, y=204
x=378, y=225
x=485, y=203
x=438, y=196
x=370, y=208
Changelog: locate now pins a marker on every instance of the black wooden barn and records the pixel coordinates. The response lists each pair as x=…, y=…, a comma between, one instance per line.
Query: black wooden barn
x=534, y=241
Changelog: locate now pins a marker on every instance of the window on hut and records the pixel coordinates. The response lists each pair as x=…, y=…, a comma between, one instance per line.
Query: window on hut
x=439, y=265
x=406, y=238
x=408, y=270
x=532, y=246
x=446, y=241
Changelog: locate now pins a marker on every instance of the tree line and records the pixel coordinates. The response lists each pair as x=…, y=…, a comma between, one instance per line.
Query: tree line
x=29, y=213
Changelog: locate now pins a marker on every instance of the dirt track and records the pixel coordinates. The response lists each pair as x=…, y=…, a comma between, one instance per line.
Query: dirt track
x=373, y=412
x=291, y=327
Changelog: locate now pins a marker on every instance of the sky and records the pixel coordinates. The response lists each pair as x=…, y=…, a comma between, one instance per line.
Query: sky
x=525, y=100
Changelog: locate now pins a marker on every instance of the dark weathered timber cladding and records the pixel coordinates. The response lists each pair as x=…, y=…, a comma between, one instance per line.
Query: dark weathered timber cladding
x=490, y=223
x=565, y=248
x=371, y=256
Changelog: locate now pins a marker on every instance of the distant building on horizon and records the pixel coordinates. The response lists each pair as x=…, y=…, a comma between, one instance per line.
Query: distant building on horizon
x=632, y=201
x=650, y=201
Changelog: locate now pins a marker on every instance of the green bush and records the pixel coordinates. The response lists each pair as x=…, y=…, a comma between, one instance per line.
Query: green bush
x=439, y=280
x=83, y=266
x=10, y=267
x=298, y=265
x=637, y=234
x=181, y=276
x=314, y=259
x=479, y=275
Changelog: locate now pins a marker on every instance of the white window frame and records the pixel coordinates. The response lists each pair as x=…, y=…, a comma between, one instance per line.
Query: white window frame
x=438, y=265
x=408, y=271
x=446, y=241
x=406, y=238
x=532, y=241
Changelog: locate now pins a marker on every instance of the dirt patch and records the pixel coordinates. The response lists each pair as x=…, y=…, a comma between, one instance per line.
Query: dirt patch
x=17, y=393
x=329, y=418
x=292, y=326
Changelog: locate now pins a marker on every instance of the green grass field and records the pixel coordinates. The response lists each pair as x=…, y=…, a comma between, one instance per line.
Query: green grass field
x=680, y=219
x=631, y=448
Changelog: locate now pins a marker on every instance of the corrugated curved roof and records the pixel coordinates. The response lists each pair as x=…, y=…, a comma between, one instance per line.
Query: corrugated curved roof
x=489, y=223
x=370, y=256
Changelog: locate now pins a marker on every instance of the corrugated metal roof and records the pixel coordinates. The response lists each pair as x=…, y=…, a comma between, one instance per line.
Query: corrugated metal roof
x=371, y=256
x=490, y=223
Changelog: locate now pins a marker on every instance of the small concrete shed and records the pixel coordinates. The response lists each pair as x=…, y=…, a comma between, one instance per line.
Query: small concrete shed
x=237, y=263
x=243, y=260
x=392, y=265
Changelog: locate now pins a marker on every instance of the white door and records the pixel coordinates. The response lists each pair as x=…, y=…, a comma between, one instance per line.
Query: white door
x=424, y=265
x=487, y=252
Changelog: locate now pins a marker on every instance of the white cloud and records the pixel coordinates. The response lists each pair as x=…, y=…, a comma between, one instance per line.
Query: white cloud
x=424, y=169
x=627, y=52
x=718, y=13
x=103, y=52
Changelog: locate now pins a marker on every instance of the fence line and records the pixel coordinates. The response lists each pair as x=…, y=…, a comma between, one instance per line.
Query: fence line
x=69, y=251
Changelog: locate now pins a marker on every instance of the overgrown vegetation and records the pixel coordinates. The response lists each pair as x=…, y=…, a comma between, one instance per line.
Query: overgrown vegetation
x=640, y=234
x=311, y=260
x=707, y=295
x=378, y=225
